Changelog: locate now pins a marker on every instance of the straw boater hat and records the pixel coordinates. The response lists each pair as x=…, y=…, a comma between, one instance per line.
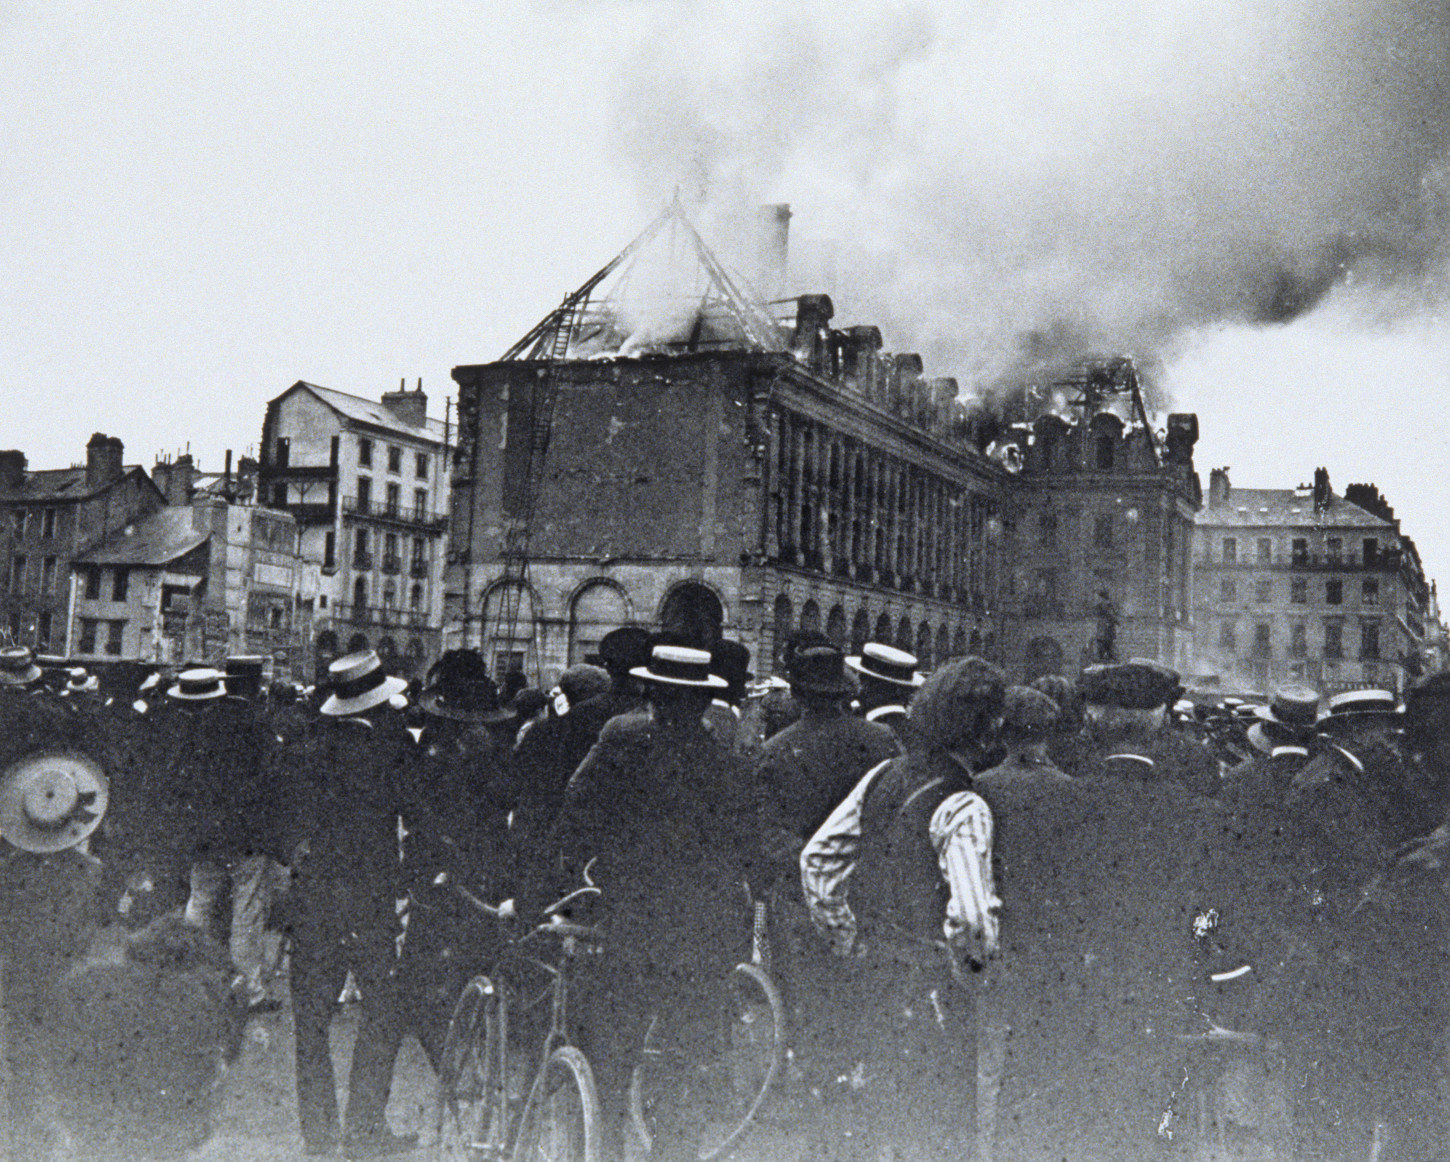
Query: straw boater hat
x=198, y=685
x=51, y=801
x=359, y=683
x=680, y=666
x=17, y=667
x=887, y=664
x=1356, y=709
x=79, y=680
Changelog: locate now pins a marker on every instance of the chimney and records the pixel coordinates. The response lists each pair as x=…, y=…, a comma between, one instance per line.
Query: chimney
x=411, y=407
x=12, y=470
x=1322, y=493
x=812, y=330
x=103, y=461
x=1218, y=488
x=175, y=478
x=772, y=249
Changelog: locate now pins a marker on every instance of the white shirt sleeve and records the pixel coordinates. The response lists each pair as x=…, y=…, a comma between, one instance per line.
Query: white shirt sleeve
x=827, y=863
x=961, y=833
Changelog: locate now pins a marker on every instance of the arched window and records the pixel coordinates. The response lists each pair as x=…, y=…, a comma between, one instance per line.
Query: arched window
x=784, y=621
x=860, y=631
x=836, y=625
x=810, y=617
x=904, y=637
x=943, y=645
x=923, y=646
x=387, y=652
x=959, y=643
x=883, y=630
x=598, y=608
x=692, y=615
x=327, y=642
x=360, y=595
x=415, y=597
x=390, y=595
x=508, y=628
x=357, y=643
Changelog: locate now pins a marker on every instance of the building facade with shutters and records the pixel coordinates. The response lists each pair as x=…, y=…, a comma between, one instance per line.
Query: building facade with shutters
x=366, y=483
x=1307, y=585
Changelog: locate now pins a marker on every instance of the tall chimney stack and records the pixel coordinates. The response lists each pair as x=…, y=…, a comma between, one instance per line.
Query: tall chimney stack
x=1218, y=488
x=1322, y=492
x=409, y=406
x=772, y=249
x=103, y=461
x=12, y=470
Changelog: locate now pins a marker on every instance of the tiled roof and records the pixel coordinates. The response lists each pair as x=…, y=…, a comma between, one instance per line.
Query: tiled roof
x=1261, y=507
x=54, y=484
x=372, y=412
x=156, y=540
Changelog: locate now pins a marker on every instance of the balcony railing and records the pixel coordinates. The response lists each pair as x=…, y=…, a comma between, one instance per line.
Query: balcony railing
x=381, y=615
x=407, y=514
x=1310, y=562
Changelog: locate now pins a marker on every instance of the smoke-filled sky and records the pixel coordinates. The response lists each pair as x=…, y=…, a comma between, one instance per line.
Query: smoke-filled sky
x=201, y=204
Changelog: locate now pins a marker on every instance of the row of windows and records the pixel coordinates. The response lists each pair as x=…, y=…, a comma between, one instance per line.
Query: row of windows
x=1262, y=644
x=1298, y=551
x=108, y=633
x=389, y=546
x=931, y=647
x=22, y=575
x=389, y=592
x=93, y=589
x=1265, y=590
x=27, y=521
x=43, y=628
x=395, y=458
x=393, y=498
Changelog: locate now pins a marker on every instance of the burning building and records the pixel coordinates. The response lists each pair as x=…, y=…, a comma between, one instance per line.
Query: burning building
x=667, y=448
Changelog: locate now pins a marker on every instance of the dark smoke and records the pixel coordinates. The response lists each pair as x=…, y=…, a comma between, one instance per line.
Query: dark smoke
x=1011, y=186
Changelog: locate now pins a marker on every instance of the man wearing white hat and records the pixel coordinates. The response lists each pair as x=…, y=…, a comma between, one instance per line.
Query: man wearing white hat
x=346, y=788
x=889, y=678
x=50, y=805
x=664, y=812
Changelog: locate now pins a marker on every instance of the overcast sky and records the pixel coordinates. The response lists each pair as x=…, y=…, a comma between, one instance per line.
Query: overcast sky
x=201, y=204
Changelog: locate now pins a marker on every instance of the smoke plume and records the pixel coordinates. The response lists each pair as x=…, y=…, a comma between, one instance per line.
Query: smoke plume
x=1009, y=185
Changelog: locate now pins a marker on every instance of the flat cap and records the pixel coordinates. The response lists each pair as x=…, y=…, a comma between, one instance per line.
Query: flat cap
x=1028, y=711
x=1130, y=685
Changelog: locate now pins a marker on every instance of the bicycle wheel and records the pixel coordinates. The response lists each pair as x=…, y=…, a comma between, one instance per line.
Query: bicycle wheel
x=471, y=1075
x=561, y=1122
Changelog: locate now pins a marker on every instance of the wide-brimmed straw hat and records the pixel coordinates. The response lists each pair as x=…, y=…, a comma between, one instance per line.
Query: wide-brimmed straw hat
x=51, y=801
x=680, y=666
x=359, y=682
x=79, y=680
x=198, y=685
x=17, y=667
x=887, y=664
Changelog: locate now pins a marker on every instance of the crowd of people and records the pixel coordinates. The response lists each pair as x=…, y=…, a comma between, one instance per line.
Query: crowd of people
x=1085, y=918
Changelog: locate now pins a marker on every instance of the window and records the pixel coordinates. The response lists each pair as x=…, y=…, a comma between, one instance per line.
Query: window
x=420, y=504
x=1333, y=640
x=360, y=595
x=395, y=458
x=329, y=550
x=47, y=523
x=1263, y=591
x=17, y=574
x=420, y=557
x=1265, y=549
x=365, y=453
x=1228, y=589
x=115, y=630
x=93, y=583
x=395, y=499
x=1230, y=550
x=1334, y=592
x=1262, y=640
x=361, y=558
x=1298, y=640
x=21, y=517
x=391, y=561
x=1369, y=639
x=1227, y=636
x=1299, y=590
x=1299, y=551
x=415, y=598
x=1369, y=591
x=279, y=495
x=1334, y=550
x=43, y=631
x=364, y=493
x=284, y=451
x=1103, y=531
x=422, y=466
x=89, y=627
x=120, y=583
x=1371, y=550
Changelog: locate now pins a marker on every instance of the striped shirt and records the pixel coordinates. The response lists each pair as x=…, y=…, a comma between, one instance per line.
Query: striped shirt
x=961, y=833
x=827, y=863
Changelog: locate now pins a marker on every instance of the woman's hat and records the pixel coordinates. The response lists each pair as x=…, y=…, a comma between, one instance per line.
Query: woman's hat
x=887, y=664
x=198, y=685
x=359, y=682
x=51, y=801
x=680, y=666
x=17, y=667
x=460, y=689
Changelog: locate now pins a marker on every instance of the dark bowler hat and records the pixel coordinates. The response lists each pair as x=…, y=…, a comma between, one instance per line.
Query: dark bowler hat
x=1129, y=685
x=887, y=664
x=198, y=684
x=679, y=666
x=244, y=675
x=820, y=669
x=358, y=683
x=731, y=660
x=17, y=667
x=622, y=649
x=1296, y=707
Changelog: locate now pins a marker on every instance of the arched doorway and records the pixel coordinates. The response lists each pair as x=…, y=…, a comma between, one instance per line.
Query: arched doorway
x=508, y=629
x=596, y=609
x=836, y=625
x=810, y=617
x=692, y=615
x=883, y=630
x=923, y=646
x=860, y=631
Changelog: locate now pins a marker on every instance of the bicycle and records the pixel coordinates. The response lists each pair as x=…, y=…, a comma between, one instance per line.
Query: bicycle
x=754, y=1034
x=480, y=1117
